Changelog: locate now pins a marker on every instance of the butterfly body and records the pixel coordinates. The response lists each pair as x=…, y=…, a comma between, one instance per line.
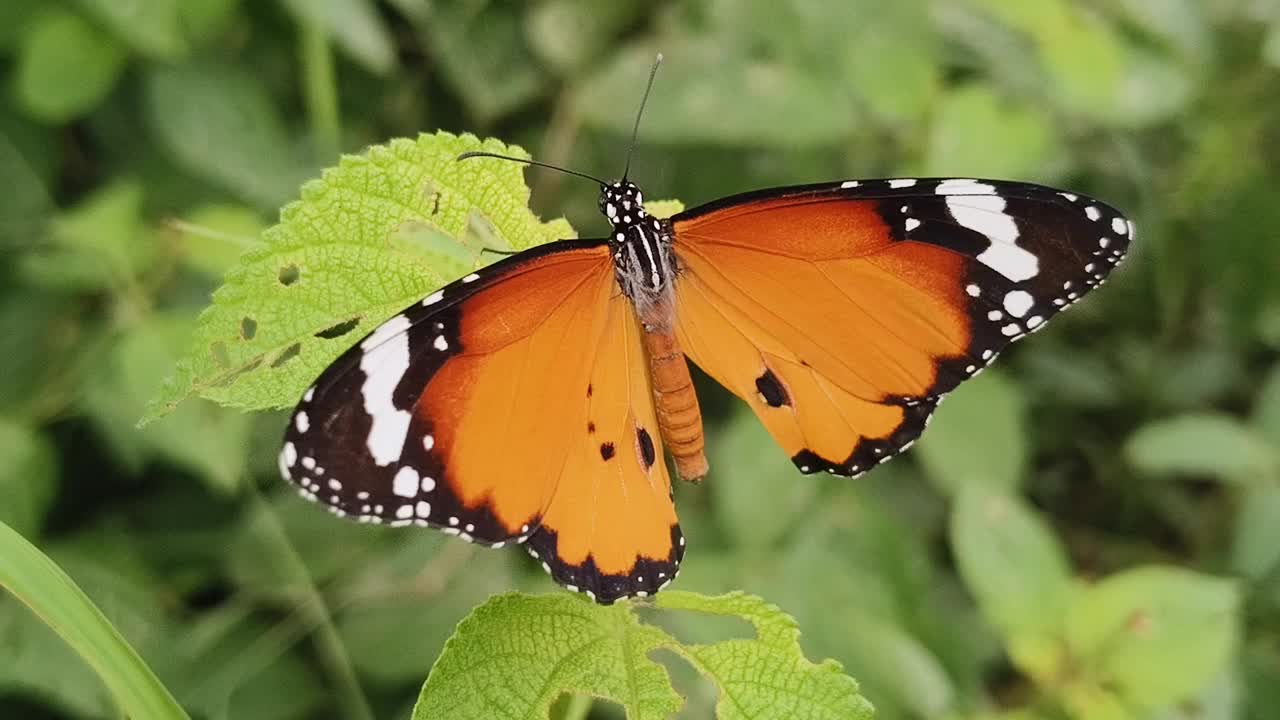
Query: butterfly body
x=534, y=401
x=645, y=267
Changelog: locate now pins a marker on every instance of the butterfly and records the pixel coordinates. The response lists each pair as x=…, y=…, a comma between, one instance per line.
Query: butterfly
x=534, y=401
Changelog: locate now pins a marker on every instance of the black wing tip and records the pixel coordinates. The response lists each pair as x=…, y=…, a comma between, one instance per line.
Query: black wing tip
x=645, y=579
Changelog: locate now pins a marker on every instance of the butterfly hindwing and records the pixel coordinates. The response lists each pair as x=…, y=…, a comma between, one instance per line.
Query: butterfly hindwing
x=611, y=528
x=470, y=412
x=842, y=313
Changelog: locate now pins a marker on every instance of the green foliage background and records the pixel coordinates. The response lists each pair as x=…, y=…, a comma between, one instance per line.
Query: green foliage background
x=1090, y=531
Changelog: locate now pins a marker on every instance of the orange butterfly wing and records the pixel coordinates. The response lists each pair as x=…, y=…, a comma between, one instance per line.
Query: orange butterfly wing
x=843, y=313
x=512, y=405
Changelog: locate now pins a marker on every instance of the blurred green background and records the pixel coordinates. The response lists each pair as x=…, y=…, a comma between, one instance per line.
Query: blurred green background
x=1092, y=530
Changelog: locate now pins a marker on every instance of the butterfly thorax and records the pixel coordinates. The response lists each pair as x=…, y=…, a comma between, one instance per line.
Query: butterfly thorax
x=641, y=243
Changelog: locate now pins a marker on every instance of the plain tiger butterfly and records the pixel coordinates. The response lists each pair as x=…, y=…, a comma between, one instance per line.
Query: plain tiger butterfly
x=534, y=401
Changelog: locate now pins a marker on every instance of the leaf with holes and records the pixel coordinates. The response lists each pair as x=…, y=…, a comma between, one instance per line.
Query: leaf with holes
x=516, y=654
x=767, y=676
x=338, y=264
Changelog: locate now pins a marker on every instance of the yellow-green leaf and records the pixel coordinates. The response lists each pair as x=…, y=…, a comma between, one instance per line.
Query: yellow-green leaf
x=340, y=255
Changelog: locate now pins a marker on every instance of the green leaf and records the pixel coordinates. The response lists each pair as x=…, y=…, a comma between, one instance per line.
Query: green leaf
x=66, y=66
x=560, y=643
x=1203, y=444
x=664, y=208
x=152, y=27
x=968, y=116
x=355, y=26
x=977, y=437
x=516, y=654
x=36, y=581
x=1155, y=635
x=219, y=122
x=336, y=257
x=767, y=676
x=27, y=477
x=1017, y=570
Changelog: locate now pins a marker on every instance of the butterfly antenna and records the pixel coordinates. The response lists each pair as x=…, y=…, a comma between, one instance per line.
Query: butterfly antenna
x=476, y=154
x=635, y=131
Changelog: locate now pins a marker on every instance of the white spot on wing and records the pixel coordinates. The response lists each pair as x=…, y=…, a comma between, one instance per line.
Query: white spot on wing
x=1010, y=261
x=433, y=298
x=902, y=183
x=984, y=214
x=405, y=483
x=471, y=278
x=428, y=442
x=847, y=184
x=1120, y=226
x=384, y=362
x=1018, y=302
x=301, y=421
x=440, y=343
x=911, y=224
x=964, y=186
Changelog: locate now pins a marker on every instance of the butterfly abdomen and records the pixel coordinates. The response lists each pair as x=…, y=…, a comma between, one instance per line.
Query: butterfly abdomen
x=679, y=417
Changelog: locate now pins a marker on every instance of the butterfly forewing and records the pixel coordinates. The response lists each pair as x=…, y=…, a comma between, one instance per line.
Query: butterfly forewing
x=842, y=313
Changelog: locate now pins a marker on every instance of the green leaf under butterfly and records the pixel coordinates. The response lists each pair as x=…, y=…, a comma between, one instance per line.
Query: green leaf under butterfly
x=516, y=654
x=343, y=259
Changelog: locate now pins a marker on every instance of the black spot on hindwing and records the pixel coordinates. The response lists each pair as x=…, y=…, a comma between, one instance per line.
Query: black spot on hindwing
x=645, y=444
x=771, y=389
x=606, y=451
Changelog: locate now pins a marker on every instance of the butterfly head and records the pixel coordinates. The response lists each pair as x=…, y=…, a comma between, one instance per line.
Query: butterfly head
x=622, y=203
